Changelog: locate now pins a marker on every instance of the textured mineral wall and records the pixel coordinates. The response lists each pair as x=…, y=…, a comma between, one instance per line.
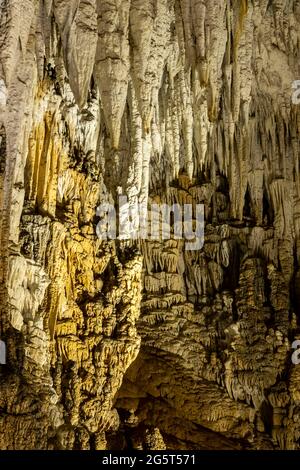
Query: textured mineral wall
x=115, y=344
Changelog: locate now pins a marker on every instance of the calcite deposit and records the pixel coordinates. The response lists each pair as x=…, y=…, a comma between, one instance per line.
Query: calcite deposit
x=142, y=343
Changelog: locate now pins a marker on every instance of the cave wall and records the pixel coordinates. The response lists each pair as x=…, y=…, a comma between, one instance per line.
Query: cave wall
x=115, y=343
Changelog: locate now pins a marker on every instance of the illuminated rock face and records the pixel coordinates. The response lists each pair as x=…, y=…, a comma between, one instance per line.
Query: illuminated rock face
x=111, y=344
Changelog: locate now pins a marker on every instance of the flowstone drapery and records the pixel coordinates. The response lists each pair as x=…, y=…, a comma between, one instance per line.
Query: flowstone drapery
x=144, y=344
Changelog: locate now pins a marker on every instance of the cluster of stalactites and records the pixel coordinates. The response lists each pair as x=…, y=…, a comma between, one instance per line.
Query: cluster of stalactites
x=206, y=85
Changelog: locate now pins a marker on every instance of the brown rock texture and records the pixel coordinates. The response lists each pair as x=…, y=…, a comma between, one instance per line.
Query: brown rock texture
x=117, y=344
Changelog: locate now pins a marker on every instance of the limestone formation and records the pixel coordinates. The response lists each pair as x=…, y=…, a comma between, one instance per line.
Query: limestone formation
x=116, y=344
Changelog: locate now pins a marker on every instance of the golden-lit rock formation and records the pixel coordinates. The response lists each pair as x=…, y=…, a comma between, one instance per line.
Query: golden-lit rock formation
x=143, y=343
